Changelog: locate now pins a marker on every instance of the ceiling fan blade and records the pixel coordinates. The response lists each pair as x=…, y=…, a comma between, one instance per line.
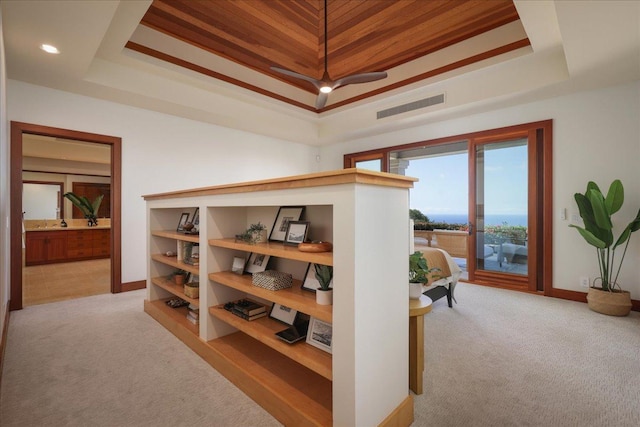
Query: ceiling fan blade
x=321, y=101
x=360, y=78
x=317, y=83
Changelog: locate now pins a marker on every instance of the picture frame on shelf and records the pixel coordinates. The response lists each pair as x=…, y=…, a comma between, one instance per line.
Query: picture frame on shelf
x=320, y=334
x=196, y=221
x=310, y=283
x=238, y=265
x=296, y=232
x=285, y=215
x=283, y=314
x=256, y=263
x=184, y=218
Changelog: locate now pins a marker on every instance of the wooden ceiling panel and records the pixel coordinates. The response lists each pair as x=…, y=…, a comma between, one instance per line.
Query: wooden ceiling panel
x=363, y=35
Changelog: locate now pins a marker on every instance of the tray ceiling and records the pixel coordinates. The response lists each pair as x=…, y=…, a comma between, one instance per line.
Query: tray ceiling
x=406, y=38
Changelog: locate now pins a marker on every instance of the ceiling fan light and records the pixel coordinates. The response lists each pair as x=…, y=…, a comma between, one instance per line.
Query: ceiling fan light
x=326, y=89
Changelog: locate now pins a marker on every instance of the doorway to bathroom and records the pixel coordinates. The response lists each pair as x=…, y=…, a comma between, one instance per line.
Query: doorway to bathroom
x=101, y=264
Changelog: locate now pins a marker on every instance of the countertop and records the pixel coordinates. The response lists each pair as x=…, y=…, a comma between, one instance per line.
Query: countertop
x=70, y=227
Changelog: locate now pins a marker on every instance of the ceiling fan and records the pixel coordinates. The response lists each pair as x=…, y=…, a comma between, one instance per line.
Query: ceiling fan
x=326, y=85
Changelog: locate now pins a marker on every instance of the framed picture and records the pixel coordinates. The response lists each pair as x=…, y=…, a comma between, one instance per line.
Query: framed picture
x=184, y=218
x=256, y=263
x=283, y=313
x=196, y=220
x=320, y=334
x=296, y=232
x=238, y=265
x=310, y=283
x=285, y=215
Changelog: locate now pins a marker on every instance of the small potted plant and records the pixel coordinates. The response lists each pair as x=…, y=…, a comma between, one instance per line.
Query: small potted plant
x=596, y=211
x=419, y=273
x=258, y=232
x=324, y=275
x=179, y=277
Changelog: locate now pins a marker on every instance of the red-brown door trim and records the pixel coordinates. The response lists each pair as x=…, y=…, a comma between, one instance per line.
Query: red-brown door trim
x=17, y=130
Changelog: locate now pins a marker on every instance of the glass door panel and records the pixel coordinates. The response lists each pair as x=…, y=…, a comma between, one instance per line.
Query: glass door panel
x=372, y=165
x=501, y=206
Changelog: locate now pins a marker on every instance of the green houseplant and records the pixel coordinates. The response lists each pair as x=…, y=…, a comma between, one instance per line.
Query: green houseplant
x=324, y=275
x=88, y=209
x=419, y=273
x=596, y=211
x=256, y=233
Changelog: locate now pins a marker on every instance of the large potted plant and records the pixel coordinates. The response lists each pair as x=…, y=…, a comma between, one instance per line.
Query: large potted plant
x=596, y=211
x=88, y=209
x=419, y=273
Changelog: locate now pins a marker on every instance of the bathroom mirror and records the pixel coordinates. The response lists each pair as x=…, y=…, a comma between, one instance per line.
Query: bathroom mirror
x=42, y=200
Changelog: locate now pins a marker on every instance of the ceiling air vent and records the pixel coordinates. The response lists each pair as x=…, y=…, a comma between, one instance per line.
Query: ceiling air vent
x=415, y=105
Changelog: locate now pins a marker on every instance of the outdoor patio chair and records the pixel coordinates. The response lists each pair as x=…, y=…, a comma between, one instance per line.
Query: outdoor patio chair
x=443, y=282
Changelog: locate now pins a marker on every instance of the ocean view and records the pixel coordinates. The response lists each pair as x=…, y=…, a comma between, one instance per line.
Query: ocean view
x=489, y=220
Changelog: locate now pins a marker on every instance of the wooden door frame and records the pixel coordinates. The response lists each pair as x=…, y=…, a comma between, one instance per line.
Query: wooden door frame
x=540, y=176
x=17, y=130
x=540, y=205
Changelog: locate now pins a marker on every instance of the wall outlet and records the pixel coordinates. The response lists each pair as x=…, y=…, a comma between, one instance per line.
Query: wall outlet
x=584, y=282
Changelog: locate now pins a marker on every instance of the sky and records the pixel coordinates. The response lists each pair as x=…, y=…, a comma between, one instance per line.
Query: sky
x=443, y=183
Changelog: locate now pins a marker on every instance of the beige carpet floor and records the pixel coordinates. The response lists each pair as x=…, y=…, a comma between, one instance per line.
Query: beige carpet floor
x=498, y=358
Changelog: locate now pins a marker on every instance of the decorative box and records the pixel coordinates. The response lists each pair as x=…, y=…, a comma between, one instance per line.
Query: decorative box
x=272, y=280
x=192, y=290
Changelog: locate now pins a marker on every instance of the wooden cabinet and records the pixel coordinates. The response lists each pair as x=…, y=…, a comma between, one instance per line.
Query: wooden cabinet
x=101, y=244
x=364, y=214
x=47, y=247
x=79, y=244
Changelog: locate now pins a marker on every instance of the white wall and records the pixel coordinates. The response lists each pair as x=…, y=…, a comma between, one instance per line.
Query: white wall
x=159, y=153
x=596, y=136
x=4, y=188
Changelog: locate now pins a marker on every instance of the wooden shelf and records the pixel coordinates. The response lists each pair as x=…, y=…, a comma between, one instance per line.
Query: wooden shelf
x=264, y=330
x=171, y=318
x=177, y=290
x=292, y=393
x=195, y=238
x=293, y=297
x=173, y=262
x=275, y=249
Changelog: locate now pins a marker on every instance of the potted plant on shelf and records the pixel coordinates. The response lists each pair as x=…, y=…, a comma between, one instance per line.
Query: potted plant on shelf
x=88, y=209
x=596, y=211
x=419, y=273
x=256, y=233
x=179, y=277
x=324, y=274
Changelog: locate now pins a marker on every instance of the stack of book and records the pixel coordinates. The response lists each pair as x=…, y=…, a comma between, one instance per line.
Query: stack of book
x=193, y=314
x=247, y=309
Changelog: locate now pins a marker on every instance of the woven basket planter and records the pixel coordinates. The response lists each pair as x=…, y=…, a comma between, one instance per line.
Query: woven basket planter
x=616, y=303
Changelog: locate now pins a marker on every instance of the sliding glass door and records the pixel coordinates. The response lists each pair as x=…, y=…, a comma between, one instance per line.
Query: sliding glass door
x=501, y=207
x=485, y=198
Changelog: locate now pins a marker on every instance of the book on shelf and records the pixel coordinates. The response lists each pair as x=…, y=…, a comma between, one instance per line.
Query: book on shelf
x=246, y=316
x=249, y=307
x=193, y=318
x=193, y=314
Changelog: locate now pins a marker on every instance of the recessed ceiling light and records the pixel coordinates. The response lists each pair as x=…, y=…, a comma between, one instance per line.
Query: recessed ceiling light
x=49, y=48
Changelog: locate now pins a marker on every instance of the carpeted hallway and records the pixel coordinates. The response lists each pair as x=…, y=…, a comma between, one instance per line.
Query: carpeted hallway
x=498, y=358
